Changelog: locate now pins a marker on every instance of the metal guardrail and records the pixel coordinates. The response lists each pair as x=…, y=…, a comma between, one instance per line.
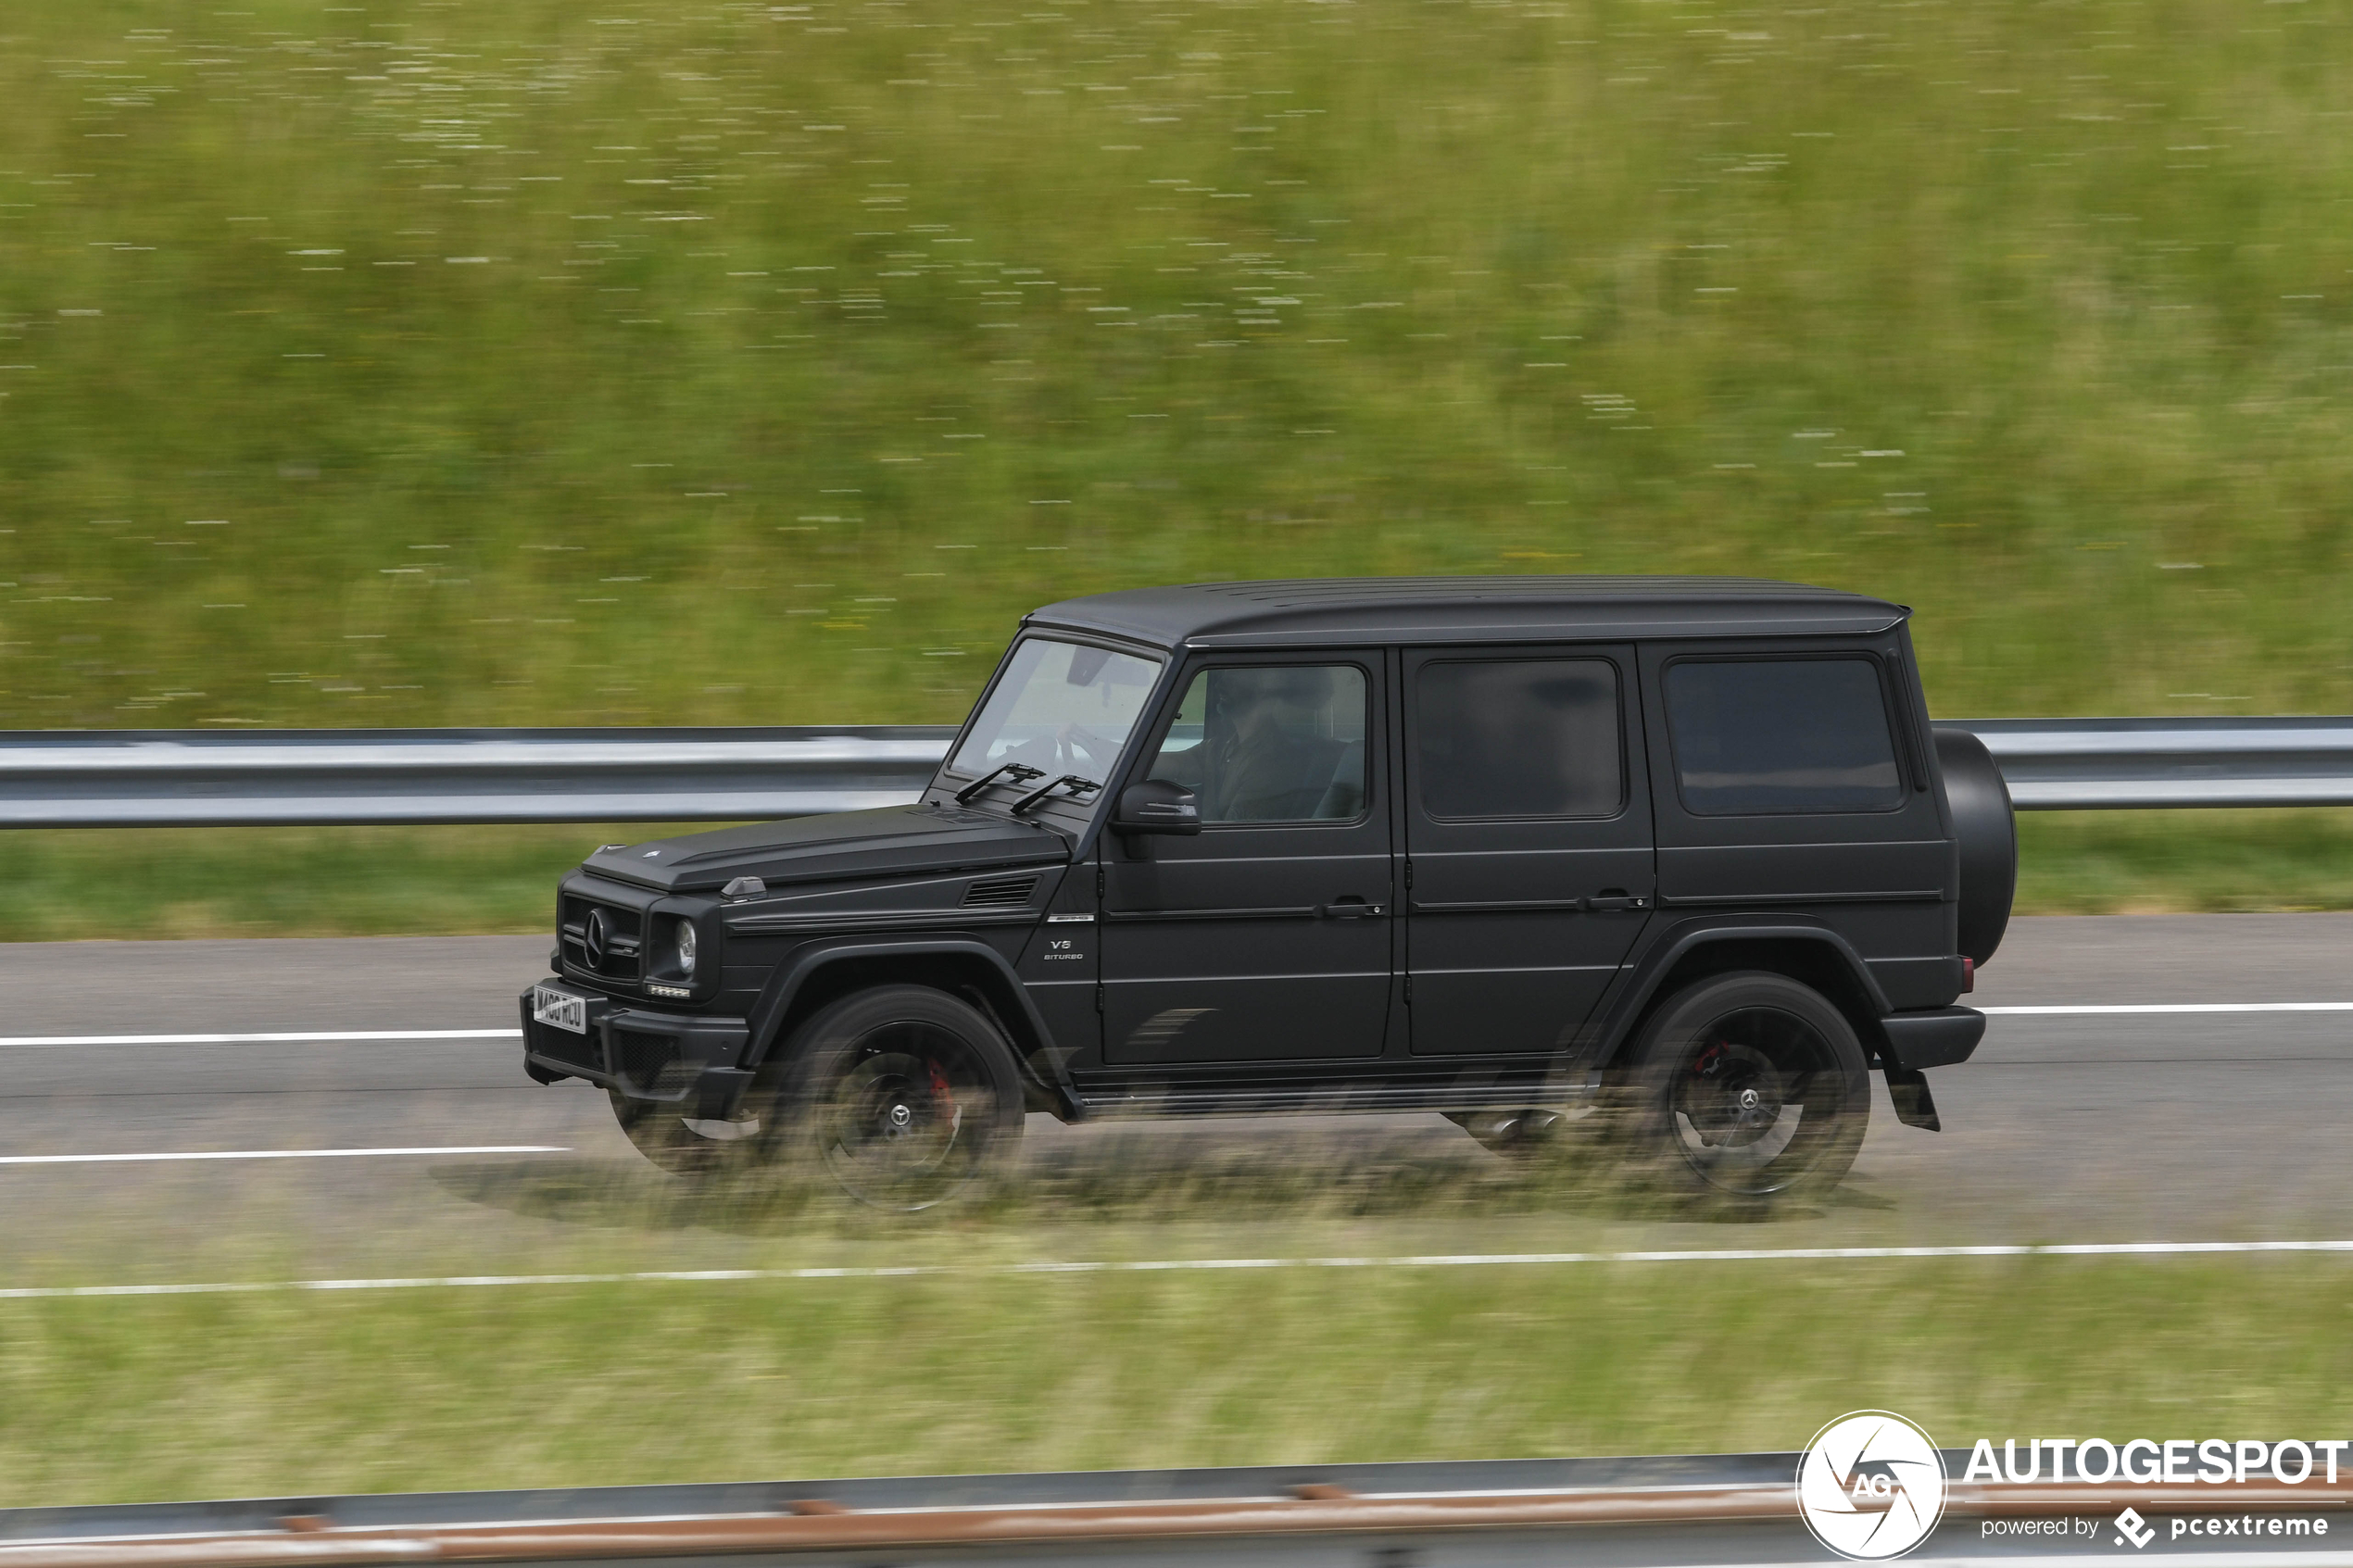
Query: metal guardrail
x=182, y=778
x=163, y=778
x=2082, y=764
x=1602, y=1512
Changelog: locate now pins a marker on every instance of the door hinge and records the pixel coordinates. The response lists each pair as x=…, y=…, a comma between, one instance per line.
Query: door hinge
x=1409, y=990
x=1409, y=873
x=1099, y=996
x=1098, y=881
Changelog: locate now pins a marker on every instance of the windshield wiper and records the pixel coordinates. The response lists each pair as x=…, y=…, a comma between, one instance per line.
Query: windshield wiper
x=1078, y=786
x=1021, y=773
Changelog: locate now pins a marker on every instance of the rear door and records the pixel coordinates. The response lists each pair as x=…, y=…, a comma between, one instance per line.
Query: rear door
x=1265, y=938
x=1789, y=778
x=1528, y=824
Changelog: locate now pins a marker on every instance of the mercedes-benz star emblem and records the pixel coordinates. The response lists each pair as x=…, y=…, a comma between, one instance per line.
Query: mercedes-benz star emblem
x=597, y=935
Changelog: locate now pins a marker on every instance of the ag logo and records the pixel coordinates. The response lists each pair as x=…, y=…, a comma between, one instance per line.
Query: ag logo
x=1870, y=1485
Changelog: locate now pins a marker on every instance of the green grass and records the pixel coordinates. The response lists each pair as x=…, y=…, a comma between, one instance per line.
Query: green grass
x=148, y=883
x=483, y=361
x=2174, y=862
x=144, y=882
x=119, y=1400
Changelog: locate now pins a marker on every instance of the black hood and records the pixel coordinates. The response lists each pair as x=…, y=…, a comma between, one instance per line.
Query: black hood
x=888, y=841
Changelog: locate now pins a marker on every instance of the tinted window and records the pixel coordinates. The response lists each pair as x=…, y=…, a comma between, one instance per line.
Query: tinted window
x=1279, y=743
x=1793, y=734
x=1061, y=708
x=1518, y=738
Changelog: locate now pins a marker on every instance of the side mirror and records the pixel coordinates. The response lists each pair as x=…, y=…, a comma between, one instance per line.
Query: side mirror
x=1157, y=806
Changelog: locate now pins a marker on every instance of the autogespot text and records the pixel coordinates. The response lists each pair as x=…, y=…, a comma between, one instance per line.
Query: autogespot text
x=2145, y=1461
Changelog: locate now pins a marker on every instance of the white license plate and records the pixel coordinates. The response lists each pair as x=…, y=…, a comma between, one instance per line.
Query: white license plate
x=563, y=1011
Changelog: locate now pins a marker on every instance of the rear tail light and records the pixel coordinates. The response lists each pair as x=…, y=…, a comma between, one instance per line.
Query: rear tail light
x=1968, y=975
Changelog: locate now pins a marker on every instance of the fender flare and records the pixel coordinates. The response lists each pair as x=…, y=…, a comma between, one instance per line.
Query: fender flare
x=1615, y=1026
x=787, y=982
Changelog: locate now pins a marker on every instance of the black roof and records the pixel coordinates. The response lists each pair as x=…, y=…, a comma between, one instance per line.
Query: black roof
x=1494, y=609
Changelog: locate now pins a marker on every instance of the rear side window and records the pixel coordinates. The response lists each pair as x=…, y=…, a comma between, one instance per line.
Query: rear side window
x=1753, y=737
x=1519, y=738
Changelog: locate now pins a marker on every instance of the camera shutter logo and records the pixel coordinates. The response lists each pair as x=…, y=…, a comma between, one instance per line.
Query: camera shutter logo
x=1870, y=1485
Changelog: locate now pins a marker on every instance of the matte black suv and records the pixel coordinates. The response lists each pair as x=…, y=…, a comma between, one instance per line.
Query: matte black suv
x=1495, y=847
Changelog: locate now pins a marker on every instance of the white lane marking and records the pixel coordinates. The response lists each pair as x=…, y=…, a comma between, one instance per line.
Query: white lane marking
x=1169, y=1265
x=294, y=1038
x=275, y=1154
x=303, y=1037
x=306, y=1036
x=2171, y=1007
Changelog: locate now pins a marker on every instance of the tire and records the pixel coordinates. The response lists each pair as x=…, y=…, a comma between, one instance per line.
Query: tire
x=900, y=1097
x=661, y=1134
x=1746, y=1088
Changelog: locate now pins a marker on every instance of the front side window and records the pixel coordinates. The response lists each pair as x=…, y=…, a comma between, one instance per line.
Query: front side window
x=1061, y=708
x=1753, y=737
x=1277, y=743
x=1535, y=737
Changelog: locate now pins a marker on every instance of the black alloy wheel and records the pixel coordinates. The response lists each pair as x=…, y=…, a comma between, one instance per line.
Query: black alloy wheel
x=1748, y=1087
x=900, y=1097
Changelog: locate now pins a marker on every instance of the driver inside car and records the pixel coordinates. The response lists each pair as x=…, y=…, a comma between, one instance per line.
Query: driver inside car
x=1266, y=754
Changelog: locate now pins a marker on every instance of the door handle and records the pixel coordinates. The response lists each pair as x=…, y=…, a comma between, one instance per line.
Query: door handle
x=1350, y=908
x=1613, y=898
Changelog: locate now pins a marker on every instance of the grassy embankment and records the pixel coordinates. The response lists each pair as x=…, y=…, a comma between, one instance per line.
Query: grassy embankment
x=261, y=882
x=304, y=1394
x=462, y=362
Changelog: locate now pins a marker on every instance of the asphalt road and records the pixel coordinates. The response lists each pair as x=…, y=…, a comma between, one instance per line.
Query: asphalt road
x=2081, y=1128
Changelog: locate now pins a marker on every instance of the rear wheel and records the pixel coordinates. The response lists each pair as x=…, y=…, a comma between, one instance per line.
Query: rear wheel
x=1748, y=1087
x=900, y=1098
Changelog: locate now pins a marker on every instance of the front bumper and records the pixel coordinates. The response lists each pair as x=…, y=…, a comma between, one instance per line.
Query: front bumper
x=672, y=1058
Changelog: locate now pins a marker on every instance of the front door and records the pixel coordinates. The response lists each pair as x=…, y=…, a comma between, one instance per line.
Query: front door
x=1528, y=827
x=1266, y=937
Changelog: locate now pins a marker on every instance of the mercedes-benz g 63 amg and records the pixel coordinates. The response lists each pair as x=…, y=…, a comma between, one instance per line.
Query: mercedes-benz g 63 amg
x=1493, y=848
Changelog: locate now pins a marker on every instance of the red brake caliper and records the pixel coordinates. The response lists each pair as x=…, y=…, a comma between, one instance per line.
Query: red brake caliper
x=944, y=1096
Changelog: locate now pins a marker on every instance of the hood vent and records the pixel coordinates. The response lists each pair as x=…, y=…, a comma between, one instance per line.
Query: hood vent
x=999, y=892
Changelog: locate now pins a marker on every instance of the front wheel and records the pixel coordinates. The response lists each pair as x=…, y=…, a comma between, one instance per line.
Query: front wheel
x=900, y=1098
x=1747, y=1088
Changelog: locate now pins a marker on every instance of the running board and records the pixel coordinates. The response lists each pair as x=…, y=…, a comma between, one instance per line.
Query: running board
x=1333, y=1099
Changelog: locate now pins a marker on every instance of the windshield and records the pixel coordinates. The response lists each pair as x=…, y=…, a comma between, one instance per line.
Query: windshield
x=1062, y=708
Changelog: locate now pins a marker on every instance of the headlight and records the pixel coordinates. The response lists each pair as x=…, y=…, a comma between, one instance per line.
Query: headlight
x=686, y=947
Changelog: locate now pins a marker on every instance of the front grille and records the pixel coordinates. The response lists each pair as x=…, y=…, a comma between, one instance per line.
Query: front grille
x=999, y=892
x=624, y=929
x=651, y=1062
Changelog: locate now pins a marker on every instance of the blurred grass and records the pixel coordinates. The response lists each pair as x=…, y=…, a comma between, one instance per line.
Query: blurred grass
x=157, y=883
x=117, y=1399
x=2175, y=862
x=151, y=883
x=483, y=361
